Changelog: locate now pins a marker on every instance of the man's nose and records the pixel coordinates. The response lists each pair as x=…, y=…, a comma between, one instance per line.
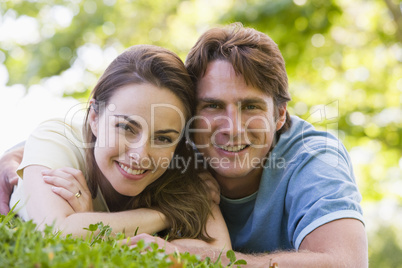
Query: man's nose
x=234, y=125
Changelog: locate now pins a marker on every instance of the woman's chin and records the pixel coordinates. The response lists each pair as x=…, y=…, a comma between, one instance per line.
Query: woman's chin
x=127, y=193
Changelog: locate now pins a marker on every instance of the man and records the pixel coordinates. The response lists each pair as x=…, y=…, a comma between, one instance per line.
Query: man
x=285, y=188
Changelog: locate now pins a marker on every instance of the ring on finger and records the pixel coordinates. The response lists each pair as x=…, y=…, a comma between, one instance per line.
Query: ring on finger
x=78, y=194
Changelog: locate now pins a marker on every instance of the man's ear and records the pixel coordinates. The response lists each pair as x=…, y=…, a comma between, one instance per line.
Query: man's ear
x=93, y=117
x=281, y=116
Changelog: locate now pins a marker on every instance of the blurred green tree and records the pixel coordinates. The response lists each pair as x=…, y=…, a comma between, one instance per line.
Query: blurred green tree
x=343, y=60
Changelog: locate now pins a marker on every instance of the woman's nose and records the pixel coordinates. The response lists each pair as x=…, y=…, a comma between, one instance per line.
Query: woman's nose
x=137, y=156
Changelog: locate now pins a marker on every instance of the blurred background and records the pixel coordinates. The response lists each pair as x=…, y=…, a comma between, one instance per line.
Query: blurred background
x=344, y=61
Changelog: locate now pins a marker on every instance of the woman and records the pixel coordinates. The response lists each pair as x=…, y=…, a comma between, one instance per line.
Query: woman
x=132, y=131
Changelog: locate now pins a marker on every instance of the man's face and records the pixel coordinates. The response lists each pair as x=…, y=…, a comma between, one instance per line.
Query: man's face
x=235, y=123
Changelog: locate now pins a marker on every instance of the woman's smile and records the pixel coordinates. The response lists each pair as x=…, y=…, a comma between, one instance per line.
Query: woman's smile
x=132, y=174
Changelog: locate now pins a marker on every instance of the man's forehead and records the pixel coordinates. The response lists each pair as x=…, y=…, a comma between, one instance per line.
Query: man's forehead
x=221, y=67
x=223, y=70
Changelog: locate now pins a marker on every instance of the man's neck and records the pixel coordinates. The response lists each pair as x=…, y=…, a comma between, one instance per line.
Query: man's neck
x=235, y=188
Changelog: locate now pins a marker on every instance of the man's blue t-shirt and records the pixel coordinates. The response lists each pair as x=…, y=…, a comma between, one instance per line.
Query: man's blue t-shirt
x=307, y=181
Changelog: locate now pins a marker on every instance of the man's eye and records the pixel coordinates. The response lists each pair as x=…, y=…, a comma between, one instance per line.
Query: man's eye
x=125, y=127
x=250, y=107
x=212, y=106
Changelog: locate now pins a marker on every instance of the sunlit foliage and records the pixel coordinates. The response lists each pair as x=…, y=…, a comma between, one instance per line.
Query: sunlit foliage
x=344, y=60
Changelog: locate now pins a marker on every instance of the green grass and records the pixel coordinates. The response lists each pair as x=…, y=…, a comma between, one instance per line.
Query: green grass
x=23, y=246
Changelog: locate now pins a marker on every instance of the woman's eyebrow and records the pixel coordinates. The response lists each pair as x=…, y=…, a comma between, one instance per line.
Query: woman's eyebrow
x=138, y=125
x=131, y=121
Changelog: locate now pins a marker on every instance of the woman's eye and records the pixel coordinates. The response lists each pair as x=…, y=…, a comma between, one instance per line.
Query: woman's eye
x=163, y=139
x=125, y=127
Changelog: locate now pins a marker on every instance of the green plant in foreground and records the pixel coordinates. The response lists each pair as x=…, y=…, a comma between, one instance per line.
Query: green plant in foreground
x=24, y=246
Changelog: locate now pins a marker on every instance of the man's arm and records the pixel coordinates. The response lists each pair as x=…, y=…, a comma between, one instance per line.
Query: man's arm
x=9, y=163
x=340, y=243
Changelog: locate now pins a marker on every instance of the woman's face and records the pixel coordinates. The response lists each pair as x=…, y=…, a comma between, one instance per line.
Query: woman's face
x=137, y=133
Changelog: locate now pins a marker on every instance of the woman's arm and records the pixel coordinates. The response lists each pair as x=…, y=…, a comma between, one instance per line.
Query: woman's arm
x=216, y=228
x=45, y=207
x=67, y=182
x=146, y=220
x=216, y=225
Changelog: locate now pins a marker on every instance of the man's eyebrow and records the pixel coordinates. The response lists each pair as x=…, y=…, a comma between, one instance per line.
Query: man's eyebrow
x=210, y=100
x=131, y=121
x=166, y=131
x=252, y=101
x=242, y=101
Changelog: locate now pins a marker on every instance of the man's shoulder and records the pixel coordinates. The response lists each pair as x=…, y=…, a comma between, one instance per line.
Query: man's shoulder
x=303, y=135
x=303, y=142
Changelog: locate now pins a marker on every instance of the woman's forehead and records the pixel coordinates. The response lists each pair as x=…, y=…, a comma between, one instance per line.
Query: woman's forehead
x=148, y=103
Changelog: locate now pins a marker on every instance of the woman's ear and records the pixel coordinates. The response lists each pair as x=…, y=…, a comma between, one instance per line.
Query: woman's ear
x=281, y=116
x=93, y=117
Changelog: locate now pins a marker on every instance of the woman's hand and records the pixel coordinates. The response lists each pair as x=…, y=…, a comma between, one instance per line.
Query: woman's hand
x=70, y=184
x=169, y=247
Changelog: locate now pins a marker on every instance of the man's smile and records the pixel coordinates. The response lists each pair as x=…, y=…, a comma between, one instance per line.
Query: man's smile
x=236, y=148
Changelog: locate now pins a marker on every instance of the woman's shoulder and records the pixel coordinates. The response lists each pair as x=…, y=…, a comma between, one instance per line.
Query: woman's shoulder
x=55, y=143
x=61, y=125
x=60, y=129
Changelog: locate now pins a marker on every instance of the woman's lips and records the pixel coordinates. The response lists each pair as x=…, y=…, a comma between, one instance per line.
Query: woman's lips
x=130, y=173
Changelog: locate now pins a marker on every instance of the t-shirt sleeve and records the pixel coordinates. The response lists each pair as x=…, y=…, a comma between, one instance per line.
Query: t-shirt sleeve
x=50, y=146
x=322, y=189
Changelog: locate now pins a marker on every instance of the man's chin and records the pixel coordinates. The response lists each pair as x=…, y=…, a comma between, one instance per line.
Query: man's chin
x=232, y=172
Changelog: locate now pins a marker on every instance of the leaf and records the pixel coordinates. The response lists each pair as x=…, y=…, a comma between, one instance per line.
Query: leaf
x=141, y=244
x=219, y=258
x=231, y=256
x=92, y=227
x=5, y=219
x=22, y=245
x=238, y=262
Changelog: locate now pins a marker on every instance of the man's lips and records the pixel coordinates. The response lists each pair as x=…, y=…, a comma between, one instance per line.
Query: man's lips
x=232, y=148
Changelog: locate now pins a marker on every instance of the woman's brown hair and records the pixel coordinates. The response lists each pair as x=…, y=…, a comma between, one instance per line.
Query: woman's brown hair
x=252, y=54
x=181, y=196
